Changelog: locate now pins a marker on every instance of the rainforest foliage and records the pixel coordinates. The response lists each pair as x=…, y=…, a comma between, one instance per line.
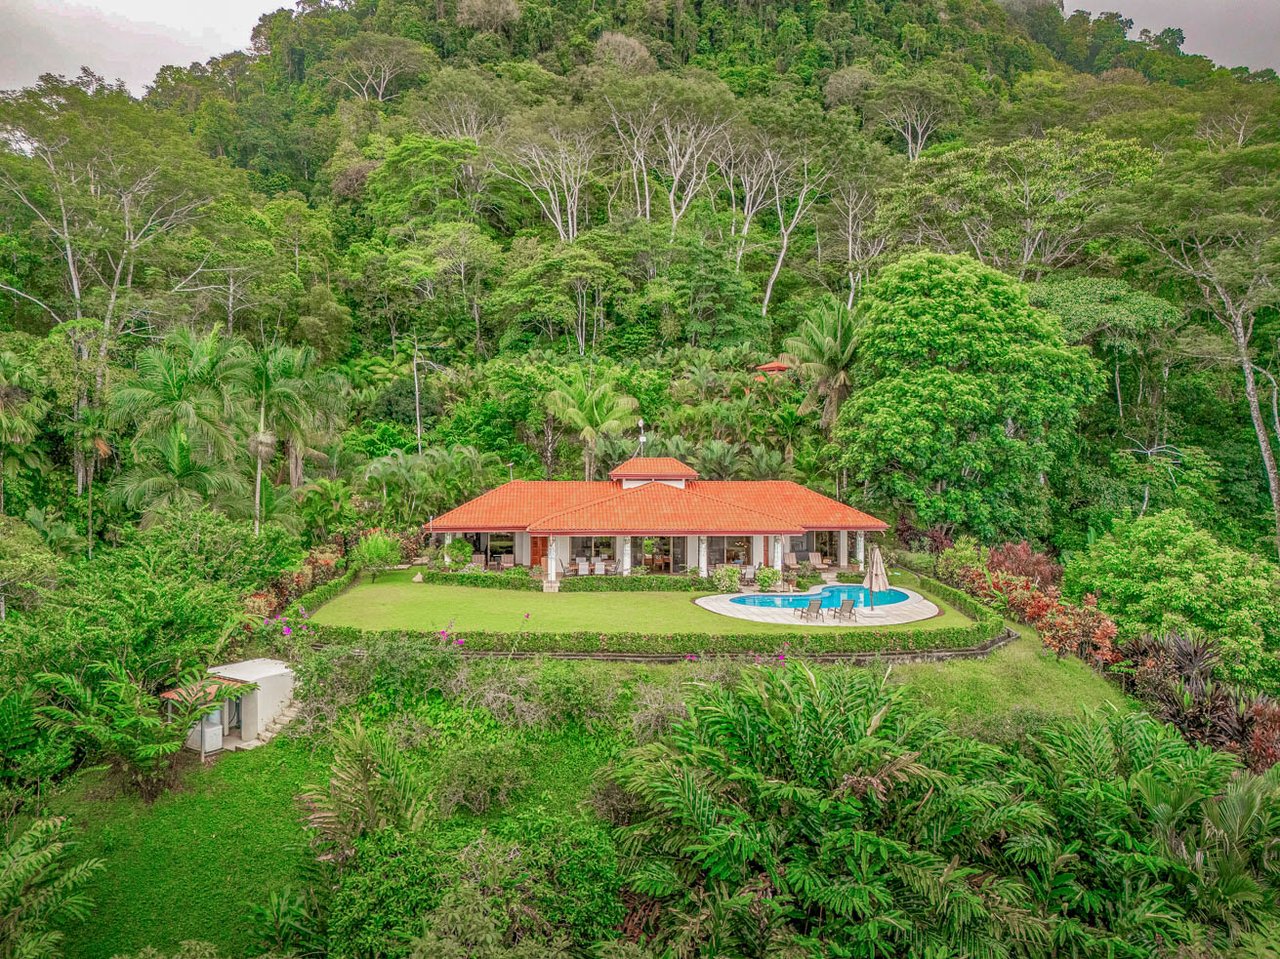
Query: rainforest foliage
x=1021, y=270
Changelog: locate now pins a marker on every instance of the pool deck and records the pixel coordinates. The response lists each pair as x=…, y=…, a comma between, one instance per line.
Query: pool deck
x=913, y=609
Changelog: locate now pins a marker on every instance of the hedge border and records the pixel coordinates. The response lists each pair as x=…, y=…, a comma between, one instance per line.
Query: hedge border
x=313, y=600
x=507, y=581
x=646, y=583
x=678, y=644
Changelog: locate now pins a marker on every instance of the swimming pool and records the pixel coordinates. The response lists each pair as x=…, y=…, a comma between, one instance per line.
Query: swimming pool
x=831, y=597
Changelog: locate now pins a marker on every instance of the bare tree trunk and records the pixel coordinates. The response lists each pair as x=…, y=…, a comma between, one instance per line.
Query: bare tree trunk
x=257, y=479
x=89, y=514
x=417, y=395
x=1259, y=424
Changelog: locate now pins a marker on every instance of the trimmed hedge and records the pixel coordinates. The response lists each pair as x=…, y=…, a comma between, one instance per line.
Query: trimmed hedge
x=322, y=594
x=523, y=581
x=636, y=584
x=868, y=640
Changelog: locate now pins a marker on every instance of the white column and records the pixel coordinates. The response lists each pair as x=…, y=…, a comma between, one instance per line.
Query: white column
x=626, y=556
x=842, y=550
x=777, y=553
x=552, y=565
x=862, y=551
x=448, y=538
x=757, y=551
x=690, y=553
x=702, y=556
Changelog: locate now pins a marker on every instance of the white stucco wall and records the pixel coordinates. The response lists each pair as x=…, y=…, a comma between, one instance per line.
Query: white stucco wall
x=259, y=707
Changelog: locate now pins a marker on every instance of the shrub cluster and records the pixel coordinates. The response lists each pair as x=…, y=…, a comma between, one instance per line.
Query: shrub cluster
x=1066, y=628
x=980, y=850
x=321, y=566
x=320, y=595
x=516, y=580
x=1173, y=676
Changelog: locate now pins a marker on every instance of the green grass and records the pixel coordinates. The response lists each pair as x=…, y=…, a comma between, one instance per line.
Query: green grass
x=396, y=602
x=1017, y=685
x=190, y=865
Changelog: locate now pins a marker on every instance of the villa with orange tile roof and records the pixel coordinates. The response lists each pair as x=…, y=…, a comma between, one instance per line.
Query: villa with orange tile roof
x=657, y=512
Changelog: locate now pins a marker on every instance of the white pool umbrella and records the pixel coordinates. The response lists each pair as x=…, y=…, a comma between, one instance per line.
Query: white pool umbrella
x=877, y=580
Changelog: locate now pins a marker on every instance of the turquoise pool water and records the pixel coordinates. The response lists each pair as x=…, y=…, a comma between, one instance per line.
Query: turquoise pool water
x=831, y=596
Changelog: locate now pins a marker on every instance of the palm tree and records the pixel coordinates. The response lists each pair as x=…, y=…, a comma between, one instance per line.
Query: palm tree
x=593, y=407
x=762, y=463
x=166, y=474
x=41, y=887
x=824, y=349
x=187, y=383
x=21, y=410
x=277, y=392
x=325, y=395
x=323, y=503
x=788, y=426
x=90, y=436
x=719, y=460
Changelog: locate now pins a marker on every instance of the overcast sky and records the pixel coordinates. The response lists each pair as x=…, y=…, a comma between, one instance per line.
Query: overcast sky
x=131, y=39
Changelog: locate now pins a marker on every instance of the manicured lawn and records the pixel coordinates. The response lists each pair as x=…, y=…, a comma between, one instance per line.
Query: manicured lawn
x=396, y=602
x=191, y=865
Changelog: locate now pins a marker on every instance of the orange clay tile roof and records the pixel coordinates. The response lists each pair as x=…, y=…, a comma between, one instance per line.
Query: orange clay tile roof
x=653, y=467
x=775, y=366
x=662, y=510
x=700, y=508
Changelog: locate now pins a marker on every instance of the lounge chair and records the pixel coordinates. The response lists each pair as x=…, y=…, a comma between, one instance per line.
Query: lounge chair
x=815, y=560
x=598, y=569
x=812, y=612
x=789, y=561
x=847, y=612
x=508, y=561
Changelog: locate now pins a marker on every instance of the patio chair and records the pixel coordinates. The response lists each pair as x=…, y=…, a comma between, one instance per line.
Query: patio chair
x=812, y=612
x=815, y=560
x=598, y=569
x=584, y=568
x=508, y=561
x=477, y=559
x=748, y=575
x=847, y=612
x=789, y=561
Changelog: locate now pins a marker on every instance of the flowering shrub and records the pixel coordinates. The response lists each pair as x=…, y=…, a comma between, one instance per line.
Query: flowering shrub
x=1173, y=676
x=767, y=578
x=727, y=579
x=1067, y=629
x=1263, y=750
x=320, y=566
x=1019, y=559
